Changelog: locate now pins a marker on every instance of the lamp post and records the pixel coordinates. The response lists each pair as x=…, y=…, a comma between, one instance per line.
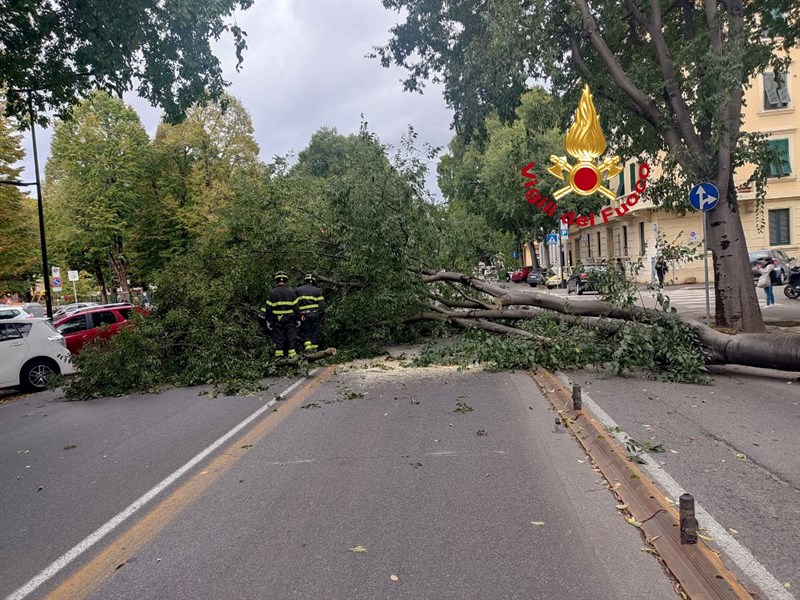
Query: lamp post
x=38, y=184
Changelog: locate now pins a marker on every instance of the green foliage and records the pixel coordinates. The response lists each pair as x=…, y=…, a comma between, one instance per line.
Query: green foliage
x=96, y=183
x=19, y=234
x=164, y=47
x=358, y=218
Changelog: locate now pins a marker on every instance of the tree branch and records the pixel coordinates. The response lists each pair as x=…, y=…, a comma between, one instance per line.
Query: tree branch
x=649, y=109
x=673, y=88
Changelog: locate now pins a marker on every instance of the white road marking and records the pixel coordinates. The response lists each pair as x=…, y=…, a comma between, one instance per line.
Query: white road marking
x=293, y=462
x=463, y=453
x=103, y=531
x=739, y=554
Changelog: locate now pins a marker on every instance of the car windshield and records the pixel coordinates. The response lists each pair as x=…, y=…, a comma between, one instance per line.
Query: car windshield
x=758, y=256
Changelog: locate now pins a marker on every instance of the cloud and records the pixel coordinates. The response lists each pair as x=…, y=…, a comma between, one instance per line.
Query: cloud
x=305, y=68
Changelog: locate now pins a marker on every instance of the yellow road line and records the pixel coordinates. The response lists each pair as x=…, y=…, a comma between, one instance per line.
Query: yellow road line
x=102, y=567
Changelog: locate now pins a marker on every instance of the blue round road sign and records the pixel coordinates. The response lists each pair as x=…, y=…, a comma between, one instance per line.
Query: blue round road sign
x=704, y=196
x=56, y=281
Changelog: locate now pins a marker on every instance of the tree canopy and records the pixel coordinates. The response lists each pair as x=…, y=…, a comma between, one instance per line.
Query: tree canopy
x=63, y=51
x=669, y=81
x=19, y=235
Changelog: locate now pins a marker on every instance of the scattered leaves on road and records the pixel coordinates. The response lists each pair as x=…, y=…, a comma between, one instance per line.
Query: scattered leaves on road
x=41, y=487
x=393, y=577
x=311, y=405
x=462, y=407
x=416, y=465
x=732, y=530
x=622, y=506
x=358, y=549
x=481, y=432
x=537, y=523
x=70, y=447
x=634, y=522
x=705, y=537
x=741, y=456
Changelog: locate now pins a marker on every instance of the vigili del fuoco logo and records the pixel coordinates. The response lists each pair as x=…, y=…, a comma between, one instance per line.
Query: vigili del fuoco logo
x=585, y=142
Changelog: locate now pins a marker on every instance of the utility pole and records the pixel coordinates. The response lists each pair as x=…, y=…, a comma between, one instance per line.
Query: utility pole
x=45, y=269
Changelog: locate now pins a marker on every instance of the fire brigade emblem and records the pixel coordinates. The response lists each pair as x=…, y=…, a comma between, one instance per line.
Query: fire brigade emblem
x=585, y=142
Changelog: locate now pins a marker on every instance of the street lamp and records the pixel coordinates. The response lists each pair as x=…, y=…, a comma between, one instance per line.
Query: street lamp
x=38, y=184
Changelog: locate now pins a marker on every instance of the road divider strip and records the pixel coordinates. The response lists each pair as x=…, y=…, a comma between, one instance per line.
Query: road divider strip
x=89, y=577
x=738, y=553
x=699, y=571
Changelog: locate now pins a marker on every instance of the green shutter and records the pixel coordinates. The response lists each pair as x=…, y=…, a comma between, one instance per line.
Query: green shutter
x=780, y=166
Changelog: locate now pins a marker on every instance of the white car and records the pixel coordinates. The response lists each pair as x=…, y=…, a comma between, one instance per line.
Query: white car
x=13, y=312
x=31, y=352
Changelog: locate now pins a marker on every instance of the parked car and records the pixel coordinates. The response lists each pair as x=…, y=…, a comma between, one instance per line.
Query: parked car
x=584, y=279
x=520, y=275
x=13, y=312
x=783, y=263
x=84, y=325
x=536, y=277
x=71, y=308
x=554, y=279
x=31, y=352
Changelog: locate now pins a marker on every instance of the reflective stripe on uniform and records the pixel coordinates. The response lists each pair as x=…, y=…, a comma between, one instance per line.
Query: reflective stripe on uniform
x=282, y=303
x=313, y=300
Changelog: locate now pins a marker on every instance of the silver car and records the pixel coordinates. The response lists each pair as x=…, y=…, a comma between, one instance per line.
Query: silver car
x=783, y=263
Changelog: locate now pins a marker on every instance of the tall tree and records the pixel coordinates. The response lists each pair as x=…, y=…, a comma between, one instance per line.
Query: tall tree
x=65, y=49
x=669, y=82
x=18, y=231
x=96, y=181
x=191, y=176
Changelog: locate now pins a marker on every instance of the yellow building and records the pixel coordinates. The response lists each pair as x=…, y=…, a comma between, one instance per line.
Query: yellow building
x=771, y=106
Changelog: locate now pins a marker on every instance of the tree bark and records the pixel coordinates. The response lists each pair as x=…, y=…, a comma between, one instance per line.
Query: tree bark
x=282, y=362
x=764, y=350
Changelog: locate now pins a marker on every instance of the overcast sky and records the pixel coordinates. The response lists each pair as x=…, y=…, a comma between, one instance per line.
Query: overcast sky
x=305, y=68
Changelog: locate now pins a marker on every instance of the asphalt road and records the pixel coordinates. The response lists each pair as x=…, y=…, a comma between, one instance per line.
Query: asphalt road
x=732, y=444
x=491, y=502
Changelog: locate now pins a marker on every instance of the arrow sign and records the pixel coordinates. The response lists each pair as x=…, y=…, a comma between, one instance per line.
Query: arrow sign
x=704, y=196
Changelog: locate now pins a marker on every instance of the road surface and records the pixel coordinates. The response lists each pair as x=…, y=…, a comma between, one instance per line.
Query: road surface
x=457, y=484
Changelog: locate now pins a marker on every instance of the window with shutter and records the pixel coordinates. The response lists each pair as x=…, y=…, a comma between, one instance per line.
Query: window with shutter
x=779, y=227
x=776, y=91
x=780, y=165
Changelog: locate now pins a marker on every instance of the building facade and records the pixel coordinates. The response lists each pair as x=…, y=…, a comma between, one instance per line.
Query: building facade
x=771, y=107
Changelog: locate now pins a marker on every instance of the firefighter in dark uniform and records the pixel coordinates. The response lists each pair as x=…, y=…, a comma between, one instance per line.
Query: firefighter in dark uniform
x=311, y=304
x=280, y=314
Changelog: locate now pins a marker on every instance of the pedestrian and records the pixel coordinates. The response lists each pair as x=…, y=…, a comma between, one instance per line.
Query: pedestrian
x=620, y=267
x=280, y=314
x=311, y=304
x=661, y=270
x=767, y=279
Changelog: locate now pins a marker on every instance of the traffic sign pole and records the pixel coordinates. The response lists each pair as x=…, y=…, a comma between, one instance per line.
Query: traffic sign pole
x=704, y=197
x=705, y=264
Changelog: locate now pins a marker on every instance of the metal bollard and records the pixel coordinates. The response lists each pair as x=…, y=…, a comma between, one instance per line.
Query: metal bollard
x=688, y=520
x=577, y=401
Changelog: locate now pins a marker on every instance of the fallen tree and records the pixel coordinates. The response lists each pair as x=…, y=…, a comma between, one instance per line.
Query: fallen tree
x=775, y=351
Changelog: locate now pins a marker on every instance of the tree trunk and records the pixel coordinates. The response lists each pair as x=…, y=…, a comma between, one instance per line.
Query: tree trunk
x=119, y=270
x=101, y=279
x=764, y=350
x=734, y=293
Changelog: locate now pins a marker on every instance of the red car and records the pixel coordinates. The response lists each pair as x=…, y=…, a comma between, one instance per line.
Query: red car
x=82, y=326
x=520, y=275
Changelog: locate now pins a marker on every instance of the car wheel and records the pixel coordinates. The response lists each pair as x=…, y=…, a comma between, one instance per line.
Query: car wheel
x=790, y=292
x=37, y=373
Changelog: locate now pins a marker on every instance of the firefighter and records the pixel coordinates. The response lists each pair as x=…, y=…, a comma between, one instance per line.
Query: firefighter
x=311, y=304
x=280, y=314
